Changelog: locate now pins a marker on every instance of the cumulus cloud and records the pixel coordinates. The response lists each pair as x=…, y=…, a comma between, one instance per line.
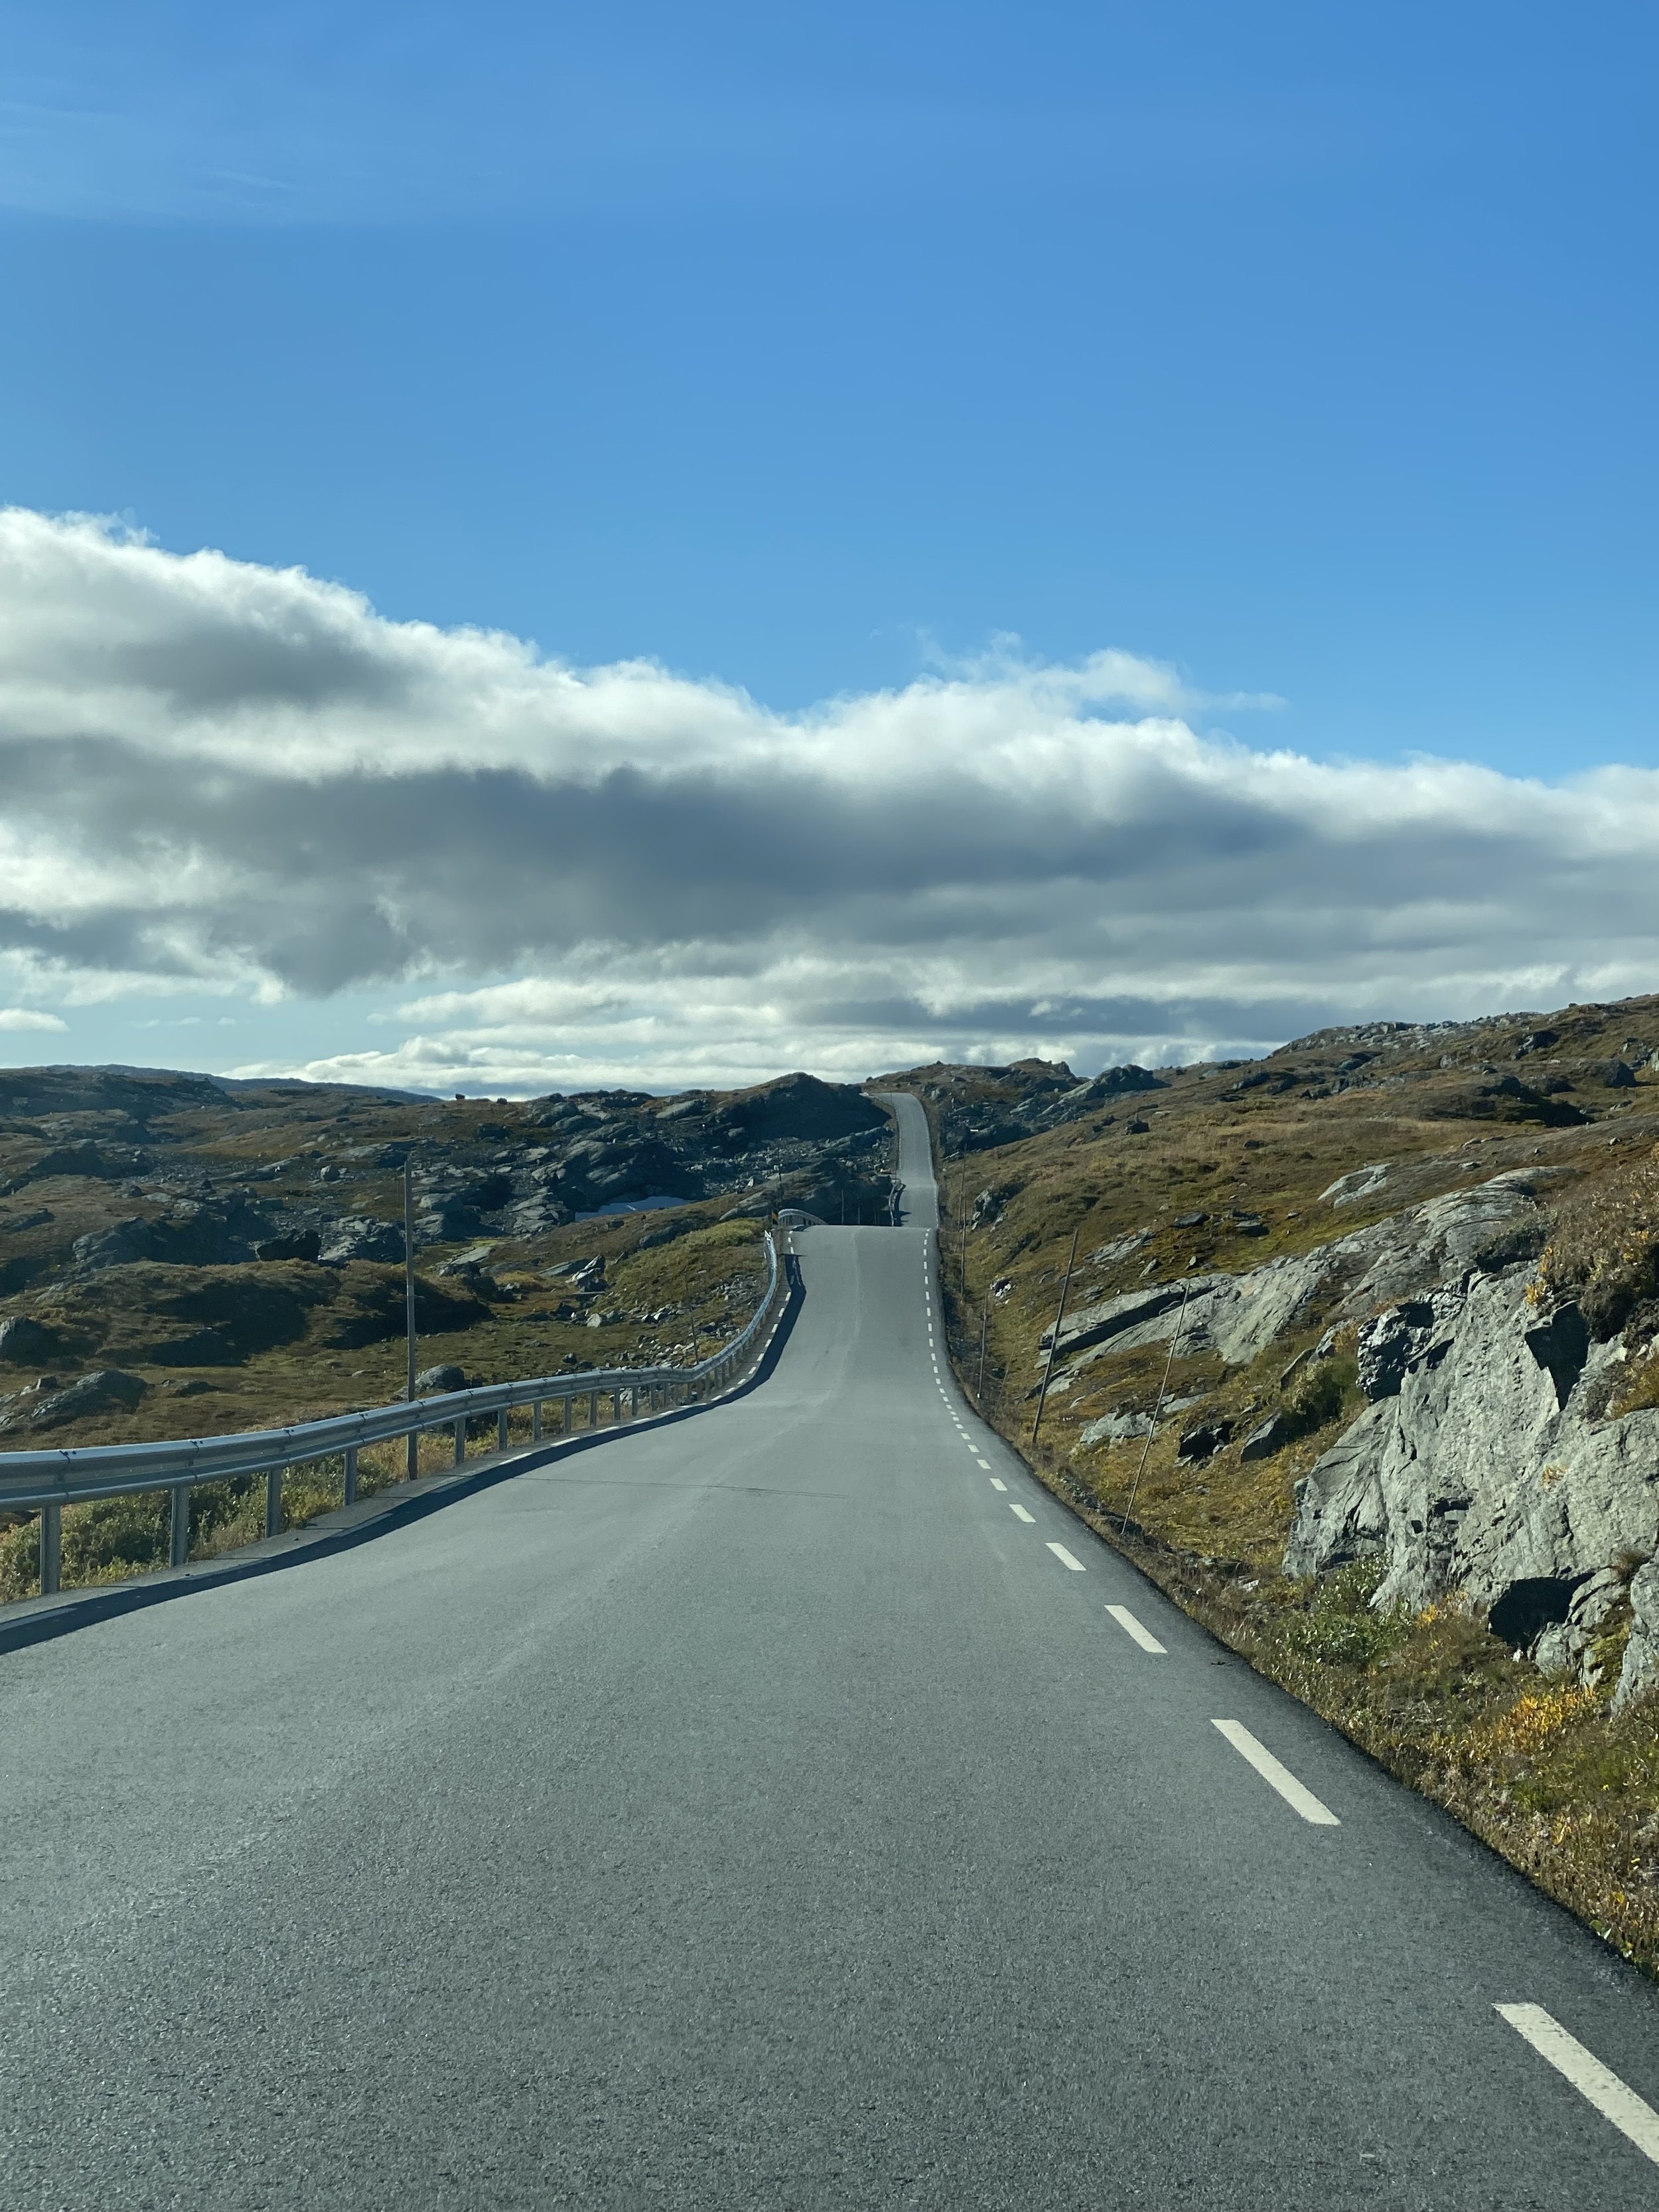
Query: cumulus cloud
x=30, y=1017
x=243, y=780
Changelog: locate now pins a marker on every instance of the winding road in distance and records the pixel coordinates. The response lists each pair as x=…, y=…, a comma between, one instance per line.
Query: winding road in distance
x=768, y=1809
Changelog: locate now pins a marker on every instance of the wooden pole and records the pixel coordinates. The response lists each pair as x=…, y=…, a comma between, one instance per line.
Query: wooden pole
x=1053, y=1343
x=414, y=1453
x=1157, y=1410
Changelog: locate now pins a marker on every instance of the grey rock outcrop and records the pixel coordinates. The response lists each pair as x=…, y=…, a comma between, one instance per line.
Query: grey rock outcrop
x=108, y=1390
x=115, y=1247
x=189, y=1235
x=1400, y=1336
x=1117, y=1429
x=1412, y=1254
x=1362, y=1183
x=1566, y=1648
x=26, y=1343
x=358, y=1238
x=1472, y=1473
x=1269, y=1436
x=445, y=1377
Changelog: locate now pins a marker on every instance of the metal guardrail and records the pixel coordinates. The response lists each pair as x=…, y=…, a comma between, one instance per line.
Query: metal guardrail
x=78, y=1473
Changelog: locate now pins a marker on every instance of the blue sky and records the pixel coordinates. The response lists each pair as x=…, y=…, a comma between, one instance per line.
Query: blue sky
x=1307, y=351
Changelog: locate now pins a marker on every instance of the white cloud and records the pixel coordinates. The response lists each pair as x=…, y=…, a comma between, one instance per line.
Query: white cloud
x=243, y=782
x=29, y=1017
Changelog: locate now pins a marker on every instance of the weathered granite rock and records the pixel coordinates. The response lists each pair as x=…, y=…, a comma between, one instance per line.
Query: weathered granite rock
x=1270, y=1436
x=1117, y=1429
x=108, y=1390
x=358, y=1238
x=1362, y=1183
x=1399, y=1336
x=115, y=1247
x=1474, y=1475
x=988, y=1207
x=1410, y=1254
x=26, y=1343
x=445, y=1377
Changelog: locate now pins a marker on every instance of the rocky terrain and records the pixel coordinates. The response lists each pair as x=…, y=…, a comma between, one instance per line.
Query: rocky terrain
x=169, y=1237
x=1360, y=1357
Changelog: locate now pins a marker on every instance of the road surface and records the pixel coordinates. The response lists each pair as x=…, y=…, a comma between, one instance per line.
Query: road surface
x=761, y=1811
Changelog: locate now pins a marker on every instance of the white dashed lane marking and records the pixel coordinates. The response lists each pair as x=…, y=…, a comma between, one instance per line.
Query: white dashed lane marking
x=1126, y=1621
x=997, y=1482
x=983, y=1462
x=1067, y=1560
x=1278, y=1777
x=1632, y=2115
x=1017, y=1509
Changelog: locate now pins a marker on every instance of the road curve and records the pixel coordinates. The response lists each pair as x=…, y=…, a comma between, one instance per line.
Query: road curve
x=770, y=1810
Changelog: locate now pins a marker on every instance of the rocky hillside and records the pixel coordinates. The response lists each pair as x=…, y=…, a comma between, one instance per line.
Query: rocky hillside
x=242, y=1244
x=1361, y=1358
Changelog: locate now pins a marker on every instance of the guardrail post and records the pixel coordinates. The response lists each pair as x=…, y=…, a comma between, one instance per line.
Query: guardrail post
x=51, y=1548
x=412, y=1457
x=593, y=1409
x=535, y=1421
x=501, y=1429
x=179, y=1526
x=460, y=1441
x=273, y=1501
x=351, y=1474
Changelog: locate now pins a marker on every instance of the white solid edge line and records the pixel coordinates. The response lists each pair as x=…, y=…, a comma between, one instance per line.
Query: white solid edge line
x=1126, y=1621
x=1014, y=1506
x=1067, y=1560
x=997, y=1482
x=1278, y=1777
x=1633, y=2117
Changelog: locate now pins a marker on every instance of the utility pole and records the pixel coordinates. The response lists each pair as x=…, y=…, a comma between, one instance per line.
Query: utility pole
x=1054, y=1342
x=1157, y=1410
x=414, y=1457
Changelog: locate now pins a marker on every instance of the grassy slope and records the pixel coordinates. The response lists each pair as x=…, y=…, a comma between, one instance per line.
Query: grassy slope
x=1544, y=1773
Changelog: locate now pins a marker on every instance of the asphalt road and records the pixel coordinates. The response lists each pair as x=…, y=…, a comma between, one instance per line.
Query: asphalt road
x=756, y=1812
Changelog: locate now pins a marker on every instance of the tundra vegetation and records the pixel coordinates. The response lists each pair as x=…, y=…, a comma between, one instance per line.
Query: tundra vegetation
x=184, y=1256
x=1360, y=1363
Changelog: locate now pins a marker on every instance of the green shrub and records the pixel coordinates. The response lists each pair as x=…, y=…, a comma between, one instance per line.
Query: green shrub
x=1338, y=1624
x=1320, y=1395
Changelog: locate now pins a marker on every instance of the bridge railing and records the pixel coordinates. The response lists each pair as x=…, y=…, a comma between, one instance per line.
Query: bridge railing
x=48, y=1480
